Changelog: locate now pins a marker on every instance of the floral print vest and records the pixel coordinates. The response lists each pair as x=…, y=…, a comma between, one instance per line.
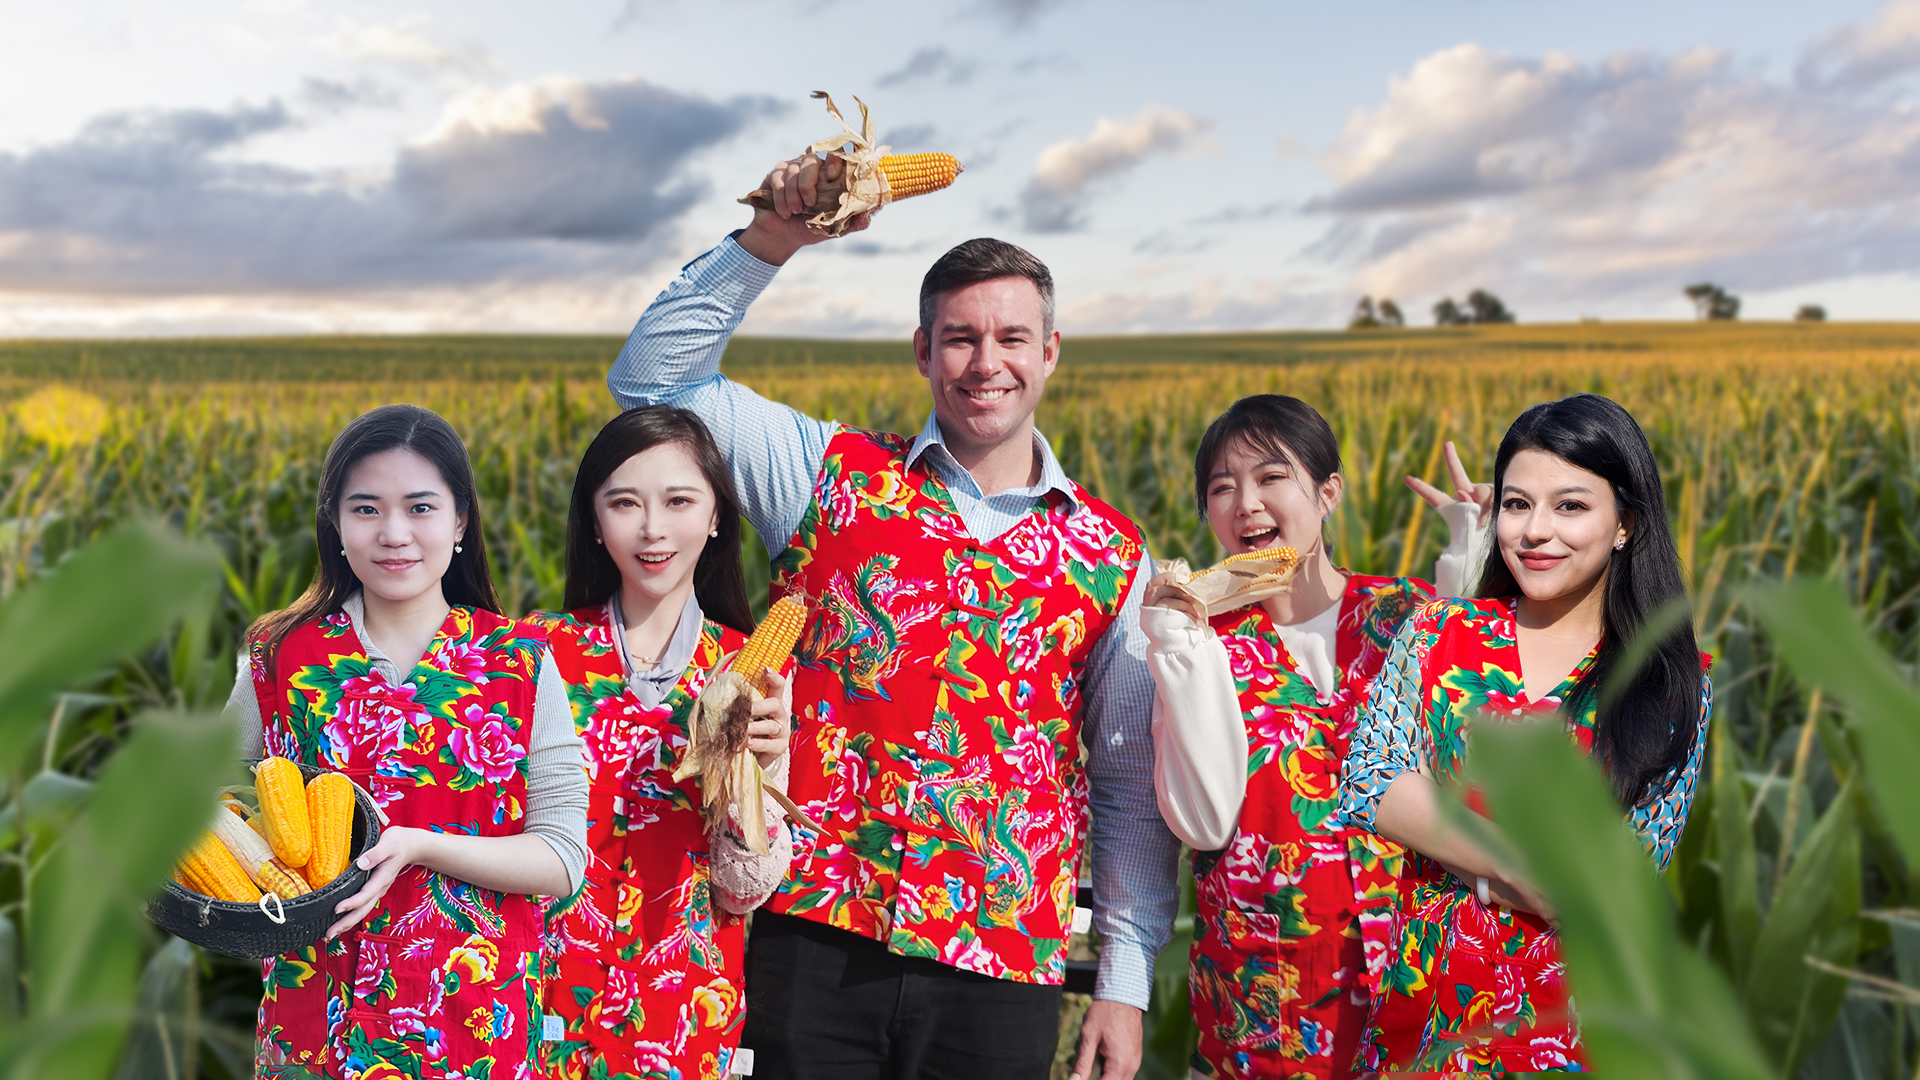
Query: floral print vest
x=1276, y=967
x=442, y=977
x=938, y=703
x=642, y=965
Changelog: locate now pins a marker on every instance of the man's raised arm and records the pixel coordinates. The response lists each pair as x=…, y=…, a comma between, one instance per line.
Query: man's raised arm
x=673, y=356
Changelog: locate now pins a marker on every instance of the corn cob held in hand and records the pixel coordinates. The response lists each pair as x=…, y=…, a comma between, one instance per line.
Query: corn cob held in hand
x=871, y=177
x=730, y=776
x=1240, y=580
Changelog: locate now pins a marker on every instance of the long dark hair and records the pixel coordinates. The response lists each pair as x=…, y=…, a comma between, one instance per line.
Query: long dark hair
x=1647, y=726
x=718, y=581
x=467, y=580
x=1280, y=427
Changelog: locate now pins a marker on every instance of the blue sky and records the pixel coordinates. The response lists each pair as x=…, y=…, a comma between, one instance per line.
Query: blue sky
x=222, y=166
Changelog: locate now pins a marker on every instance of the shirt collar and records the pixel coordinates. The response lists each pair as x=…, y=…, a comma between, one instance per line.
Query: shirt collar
x=1052, y=476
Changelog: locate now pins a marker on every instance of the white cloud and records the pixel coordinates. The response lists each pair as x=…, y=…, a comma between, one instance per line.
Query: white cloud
x=400, y=44
x=1864, y=54
x=1555, y=181
x=561, y=179
x=1063, y=173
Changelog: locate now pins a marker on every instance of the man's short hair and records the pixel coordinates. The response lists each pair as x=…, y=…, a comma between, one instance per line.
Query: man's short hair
x=984, y=259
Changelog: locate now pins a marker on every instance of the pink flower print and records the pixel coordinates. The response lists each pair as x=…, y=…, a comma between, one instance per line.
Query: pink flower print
x=371, y=721
x=463, y=659
x=1032, y=756
x=1033, y=550
x=841, y=503
x=617, y=734
x=1253, y=660
x=1026, y=649
x=371, y=969
x=970, y=954
x=1085, y=536
x=486, y=746
x=621, y=996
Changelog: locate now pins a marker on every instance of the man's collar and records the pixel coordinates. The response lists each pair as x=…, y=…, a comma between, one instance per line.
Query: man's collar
x=1052, y=476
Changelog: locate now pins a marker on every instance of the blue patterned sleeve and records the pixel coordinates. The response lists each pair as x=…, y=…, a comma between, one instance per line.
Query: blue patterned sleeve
x=1661, y=820
x=1387, y=738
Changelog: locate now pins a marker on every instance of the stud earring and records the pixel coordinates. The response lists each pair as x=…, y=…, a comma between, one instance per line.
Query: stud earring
x=343, y=551
x=1619, y=543
x=715, y=532
x=597, y=540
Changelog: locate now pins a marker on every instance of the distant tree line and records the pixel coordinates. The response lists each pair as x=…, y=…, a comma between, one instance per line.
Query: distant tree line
x=1711, y=303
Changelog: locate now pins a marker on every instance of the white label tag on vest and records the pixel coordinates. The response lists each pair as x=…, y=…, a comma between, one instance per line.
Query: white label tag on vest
x=742, y=1063
x=1082, y=919
x=553, y=1028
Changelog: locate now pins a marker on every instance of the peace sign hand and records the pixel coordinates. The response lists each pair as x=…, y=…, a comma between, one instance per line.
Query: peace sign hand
x=1465, y=490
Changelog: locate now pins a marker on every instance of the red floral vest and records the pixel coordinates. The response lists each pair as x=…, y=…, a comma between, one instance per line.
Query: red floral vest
x=643, y=966
x=1276, y=967
x=442, y=976
x=938, y=702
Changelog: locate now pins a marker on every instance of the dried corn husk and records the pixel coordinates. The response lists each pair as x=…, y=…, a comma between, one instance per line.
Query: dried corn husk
x=860, y=187
x=731, y=780
x=1242, y=580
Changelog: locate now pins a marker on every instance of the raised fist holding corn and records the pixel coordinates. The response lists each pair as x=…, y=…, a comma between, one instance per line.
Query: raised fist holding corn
x=857, y=179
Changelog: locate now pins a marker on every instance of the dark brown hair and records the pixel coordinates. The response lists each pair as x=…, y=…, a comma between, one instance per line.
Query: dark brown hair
x=984, y=259
x=467, y=580
x=1280, y=428
x=719, y=584
x=1647, y=726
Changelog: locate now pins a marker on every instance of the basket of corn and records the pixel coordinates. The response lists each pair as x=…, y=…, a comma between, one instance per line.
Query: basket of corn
x=265, y=876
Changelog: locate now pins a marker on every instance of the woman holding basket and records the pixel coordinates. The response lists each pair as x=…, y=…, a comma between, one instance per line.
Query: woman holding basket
x=396, y=668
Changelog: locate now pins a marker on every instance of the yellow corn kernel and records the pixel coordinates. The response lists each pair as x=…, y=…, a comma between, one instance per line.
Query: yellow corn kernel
x=256, y=857
x=330, y=815
x=283, y=808
x=773, y=642
x=917, y=174
x=214, y=871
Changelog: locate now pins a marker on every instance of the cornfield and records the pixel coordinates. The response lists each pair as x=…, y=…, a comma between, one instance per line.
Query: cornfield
x=1786, y=451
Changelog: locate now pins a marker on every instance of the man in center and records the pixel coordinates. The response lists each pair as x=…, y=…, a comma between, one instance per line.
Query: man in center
x=974, y=617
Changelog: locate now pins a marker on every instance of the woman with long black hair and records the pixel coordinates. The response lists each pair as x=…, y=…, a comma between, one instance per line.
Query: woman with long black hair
x=1582, y=561
x=644, y=974
x=397, y=668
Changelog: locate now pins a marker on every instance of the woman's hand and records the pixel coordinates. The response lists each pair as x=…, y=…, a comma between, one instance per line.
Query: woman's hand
x=772, y=726
x=1464, y=489
x=1162, y=594
x=399, y=848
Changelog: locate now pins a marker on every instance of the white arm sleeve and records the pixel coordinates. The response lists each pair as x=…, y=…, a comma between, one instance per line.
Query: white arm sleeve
x=1199, y=738
x=1457, y=571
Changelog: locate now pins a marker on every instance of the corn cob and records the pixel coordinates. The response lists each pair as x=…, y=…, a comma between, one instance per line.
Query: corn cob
x=731, y=780
x=214, y=872
x=330, y=814
x=1283, y=554
x=283, y=808
x=772, y=642
x=917, y=174
x=256, y=858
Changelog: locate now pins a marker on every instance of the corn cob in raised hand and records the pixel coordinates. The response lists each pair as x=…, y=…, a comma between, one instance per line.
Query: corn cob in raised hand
x=730, y=776
x=1237, y=581
x=870, y=177
x=917, y=174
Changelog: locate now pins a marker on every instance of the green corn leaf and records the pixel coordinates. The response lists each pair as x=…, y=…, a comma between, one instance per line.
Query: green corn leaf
x=85, y=924
x=1648, y=1006
x=1733, y=842
x=161, y=1044
x=111, y=598
x=1823, y=641
x=1790, y=1004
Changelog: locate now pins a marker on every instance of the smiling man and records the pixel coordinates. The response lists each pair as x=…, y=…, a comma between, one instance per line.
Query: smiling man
x=974, y=619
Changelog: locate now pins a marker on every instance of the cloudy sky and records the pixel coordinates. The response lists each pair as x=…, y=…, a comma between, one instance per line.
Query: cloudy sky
x=244, y=166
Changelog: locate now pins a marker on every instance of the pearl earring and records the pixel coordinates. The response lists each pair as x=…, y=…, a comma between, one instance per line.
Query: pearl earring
x=715, y=532
x=343, y=551
x=457, y=549
x=597, y=540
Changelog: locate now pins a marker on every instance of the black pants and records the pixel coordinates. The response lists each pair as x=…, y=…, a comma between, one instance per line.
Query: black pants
x=829, y=1004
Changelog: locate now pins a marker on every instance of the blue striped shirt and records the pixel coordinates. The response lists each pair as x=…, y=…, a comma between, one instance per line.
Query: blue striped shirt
x=776, y=453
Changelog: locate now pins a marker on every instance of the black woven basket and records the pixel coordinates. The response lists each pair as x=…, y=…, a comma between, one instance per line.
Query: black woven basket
x=244, y=930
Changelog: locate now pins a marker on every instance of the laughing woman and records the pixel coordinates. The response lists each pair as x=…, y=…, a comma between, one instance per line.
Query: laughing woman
x=645, y=960
x=1582, y=560
x=397, y=669
x=1252, y=713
